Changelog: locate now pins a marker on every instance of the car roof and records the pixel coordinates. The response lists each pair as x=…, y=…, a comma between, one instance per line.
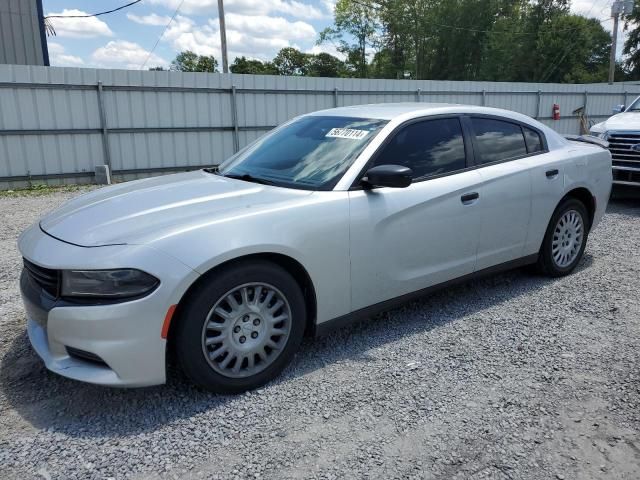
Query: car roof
x=389, y=111
x=400, y=112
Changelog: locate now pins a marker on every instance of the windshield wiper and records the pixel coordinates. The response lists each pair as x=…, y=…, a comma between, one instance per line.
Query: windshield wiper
x=249, y=178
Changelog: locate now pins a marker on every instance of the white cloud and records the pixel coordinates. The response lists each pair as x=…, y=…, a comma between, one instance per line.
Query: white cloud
x=152, y=19
x=329, y=6
x=255, y=36
x=59, y=58
x=79, y=27
x=269, y=27
x=249, y=7
x=123, y=54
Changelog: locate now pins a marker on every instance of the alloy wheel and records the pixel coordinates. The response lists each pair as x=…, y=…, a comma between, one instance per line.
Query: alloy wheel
x=246, y=330
x=567, y=238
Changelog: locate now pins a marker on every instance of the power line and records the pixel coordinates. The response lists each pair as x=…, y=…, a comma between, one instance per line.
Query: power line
x=162, y=34
x=94, y=14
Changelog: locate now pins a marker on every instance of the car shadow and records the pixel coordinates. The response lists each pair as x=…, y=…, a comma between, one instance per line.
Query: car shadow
x=625, y=200
x=49, y=401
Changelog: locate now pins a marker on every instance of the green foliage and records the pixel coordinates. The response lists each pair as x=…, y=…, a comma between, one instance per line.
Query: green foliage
x=502, y=40
x=324, y=65
x=355, y=29
x=499, y=40
x=290, y=61
x=189, y=61
x=252, y=66
x=632, y=46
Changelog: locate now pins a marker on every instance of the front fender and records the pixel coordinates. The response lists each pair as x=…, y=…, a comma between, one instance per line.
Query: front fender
x=314, y=233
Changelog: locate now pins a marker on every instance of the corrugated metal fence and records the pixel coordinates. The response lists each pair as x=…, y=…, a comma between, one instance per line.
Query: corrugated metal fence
x=57, y=124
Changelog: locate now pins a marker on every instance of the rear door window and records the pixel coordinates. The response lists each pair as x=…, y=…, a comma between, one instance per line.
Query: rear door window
x=533, y=140
x=497, y=140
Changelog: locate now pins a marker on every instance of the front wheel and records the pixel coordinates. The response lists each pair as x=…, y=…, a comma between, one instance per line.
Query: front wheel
x=240, y=327
x=565, y=239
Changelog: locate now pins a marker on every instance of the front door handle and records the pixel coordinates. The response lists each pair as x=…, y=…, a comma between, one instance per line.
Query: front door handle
x=552, y=173
x=469, y=198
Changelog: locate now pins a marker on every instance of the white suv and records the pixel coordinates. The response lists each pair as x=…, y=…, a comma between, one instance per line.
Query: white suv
x=622, y=131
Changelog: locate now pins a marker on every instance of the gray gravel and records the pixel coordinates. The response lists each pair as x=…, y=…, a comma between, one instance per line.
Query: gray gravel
x=512, y=377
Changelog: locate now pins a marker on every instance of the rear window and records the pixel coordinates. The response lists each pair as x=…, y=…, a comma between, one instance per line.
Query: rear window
x=497, y=140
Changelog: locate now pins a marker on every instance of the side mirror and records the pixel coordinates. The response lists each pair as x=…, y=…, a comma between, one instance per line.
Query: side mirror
x=618, y=109
x=395, y=176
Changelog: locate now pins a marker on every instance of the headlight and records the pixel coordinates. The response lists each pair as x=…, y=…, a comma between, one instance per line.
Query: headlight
x=107, y=283
x=602, y=135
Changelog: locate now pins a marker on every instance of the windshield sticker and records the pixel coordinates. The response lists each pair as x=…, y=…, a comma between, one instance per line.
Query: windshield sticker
x=347, y=133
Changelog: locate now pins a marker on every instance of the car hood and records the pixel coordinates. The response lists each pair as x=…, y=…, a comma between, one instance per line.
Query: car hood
x=621, y=121
x=138, y=212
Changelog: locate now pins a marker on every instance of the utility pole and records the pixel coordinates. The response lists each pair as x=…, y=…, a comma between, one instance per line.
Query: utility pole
x=619, y=7
x=223, y=38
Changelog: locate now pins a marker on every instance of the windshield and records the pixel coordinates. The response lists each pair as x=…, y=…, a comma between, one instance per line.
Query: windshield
x=309, y=153
x=635, y=106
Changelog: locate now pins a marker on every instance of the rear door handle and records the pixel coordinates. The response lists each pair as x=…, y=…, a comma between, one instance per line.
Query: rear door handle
x=469, y=198
x=552, y=173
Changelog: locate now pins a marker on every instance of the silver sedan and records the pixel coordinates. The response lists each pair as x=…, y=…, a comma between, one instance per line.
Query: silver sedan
x=332, y=216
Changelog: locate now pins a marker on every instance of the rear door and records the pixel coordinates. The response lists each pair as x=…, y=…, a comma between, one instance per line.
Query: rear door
x=406, y=239
x=504, y=209
x=548, y=173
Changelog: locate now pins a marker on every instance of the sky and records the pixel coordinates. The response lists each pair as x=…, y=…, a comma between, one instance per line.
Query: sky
x=255, y=29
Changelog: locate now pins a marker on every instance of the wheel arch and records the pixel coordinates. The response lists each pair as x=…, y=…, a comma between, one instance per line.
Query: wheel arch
x=289, y=264
x=585, y=196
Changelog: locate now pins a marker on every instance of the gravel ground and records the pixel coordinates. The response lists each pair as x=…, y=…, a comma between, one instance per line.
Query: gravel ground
x=511, y=377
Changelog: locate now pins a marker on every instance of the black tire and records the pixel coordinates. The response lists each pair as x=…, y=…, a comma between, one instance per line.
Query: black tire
x=546, y=263
x=189, y=330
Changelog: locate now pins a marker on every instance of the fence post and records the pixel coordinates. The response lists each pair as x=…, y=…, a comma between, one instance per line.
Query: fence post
x=335, y=97
x=418, y=95
x=234, y=119
x=625, y=99
x=103, y=125
x=586, y=100
x=538, y=106
x=484, y=97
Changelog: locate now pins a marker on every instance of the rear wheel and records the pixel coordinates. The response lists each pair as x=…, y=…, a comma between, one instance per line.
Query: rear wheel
x=239, y=330
x=565, y=239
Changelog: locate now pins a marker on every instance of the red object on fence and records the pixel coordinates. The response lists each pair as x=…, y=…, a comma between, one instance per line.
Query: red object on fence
x=556, y=111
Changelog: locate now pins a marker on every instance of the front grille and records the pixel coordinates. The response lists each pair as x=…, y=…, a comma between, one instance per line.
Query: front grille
x=45, y=278
x=620, y=146
x=626, y=176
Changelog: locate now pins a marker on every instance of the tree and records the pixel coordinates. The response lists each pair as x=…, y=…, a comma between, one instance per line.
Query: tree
x=573, y=49
x=353, y=20
x=324, y=65
x=632, y=45
x=290, y=61
x=252, y=66
x=156, y=69
x=189, y=61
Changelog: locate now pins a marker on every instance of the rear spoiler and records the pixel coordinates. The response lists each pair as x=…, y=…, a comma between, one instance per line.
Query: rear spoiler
x=588, y=139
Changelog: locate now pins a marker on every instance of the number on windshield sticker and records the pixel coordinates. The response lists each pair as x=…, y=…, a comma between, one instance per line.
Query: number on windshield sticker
x=349, y=133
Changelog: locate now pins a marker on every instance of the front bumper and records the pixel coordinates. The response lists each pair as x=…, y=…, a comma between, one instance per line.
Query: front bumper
x=125, y=337
x=626, y=175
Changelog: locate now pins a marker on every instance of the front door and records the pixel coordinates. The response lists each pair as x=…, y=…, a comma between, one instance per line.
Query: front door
x=406, y=239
